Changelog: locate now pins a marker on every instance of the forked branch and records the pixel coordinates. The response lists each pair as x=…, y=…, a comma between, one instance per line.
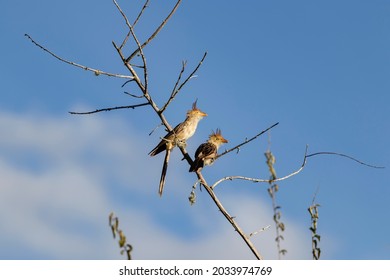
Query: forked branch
x=258, y=180
x=155, y=32
x=131, y=30
x=178, y=86
x=306, y=156
x=135, y=22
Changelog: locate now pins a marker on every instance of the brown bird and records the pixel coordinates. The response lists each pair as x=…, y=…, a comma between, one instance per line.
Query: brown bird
x=207, y=152
x=178, y=136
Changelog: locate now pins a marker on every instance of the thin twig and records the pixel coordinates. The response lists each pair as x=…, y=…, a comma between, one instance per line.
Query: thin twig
x=95, y=71
x=125, y=40
x=145, y=70
x=247, y=141
x=178, y=87
x=128, y=81
x=133, y=95
x=176, y=90
x=141, y=12
x=259, y=231
x=343, y=155
x=150, y=133
x=109, y=109
x=135, y=22
x=183, y=67
x=155, y=32
x=315, y=195
x=257, y=180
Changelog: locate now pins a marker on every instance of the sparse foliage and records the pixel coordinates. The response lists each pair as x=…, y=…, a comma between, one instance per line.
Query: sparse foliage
x=116, y=232
x=272, y=190
x=315, y=237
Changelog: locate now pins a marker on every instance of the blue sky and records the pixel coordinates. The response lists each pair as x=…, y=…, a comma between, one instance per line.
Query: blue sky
x=319, y=68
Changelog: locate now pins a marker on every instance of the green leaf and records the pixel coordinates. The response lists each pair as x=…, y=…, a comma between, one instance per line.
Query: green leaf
x=122, y=239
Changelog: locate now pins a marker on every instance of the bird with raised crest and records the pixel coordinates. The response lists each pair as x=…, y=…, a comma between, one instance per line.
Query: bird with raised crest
x=207, y=152
x=177, y=136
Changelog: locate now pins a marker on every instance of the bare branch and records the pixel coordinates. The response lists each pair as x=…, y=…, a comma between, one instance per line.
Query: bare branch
x=141, y=12
x=128, y=81
x=145, y=70
x=257, y=180
x=183, y=67
x=131, y=69
x=135, y=22
x=125, y=40
x=109, y=109
x=343, y=155
x=315, y=195
x=155, y=32
x=127, y=23
x=133, y=95
x=246, y=141
x=154, y=129
x=228, y=216
x=259, y=231
x=142, y=88
x=95, y=71
x=177, y=87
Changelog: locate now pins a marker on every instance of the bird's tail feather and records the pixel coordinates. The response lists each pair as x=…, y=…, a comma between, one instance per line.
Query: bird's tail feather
x=164, y=172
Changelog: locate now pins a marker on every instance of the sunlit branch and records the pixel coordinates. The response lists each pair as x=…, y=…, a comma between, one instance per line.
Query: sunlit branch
x=258, y=180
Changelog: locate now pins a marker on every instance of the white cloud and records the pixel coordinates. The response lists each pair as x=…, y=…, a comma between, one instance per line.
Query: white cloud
x=60, y=177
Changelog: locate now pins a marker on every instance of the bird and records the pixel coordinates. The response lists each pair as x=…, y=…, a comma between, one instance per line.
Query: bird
x=177, y=136
x=206, y=153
